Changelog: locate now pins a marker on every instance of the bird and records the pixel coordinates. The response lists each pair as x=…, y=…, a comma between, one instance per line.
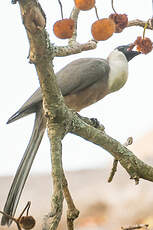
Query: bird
x=82, y=82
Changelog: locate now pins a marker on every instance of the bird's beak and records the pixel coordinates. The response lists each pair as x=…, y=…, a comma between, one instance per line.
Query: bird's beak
x=129, y=52
x=130, y=47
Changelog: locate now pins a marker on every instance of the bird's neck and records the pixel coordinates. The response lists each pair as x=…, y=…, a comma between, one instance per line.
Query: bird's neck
x=118, y=71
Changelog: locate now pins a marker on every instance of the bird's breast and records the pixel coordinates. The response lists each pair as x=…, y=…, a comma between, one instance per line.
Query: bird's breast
x=118, y=76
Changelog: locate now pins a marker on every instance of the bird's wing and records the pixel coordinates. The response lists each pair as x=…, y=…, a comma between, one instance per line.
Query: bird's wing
x=34, y=99
x=74, y=77
x=30, y=106
x=82, y=73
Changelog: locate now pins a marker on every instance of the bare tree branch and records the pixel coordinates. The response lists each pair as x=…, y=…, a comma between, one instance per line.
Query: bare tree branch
x=74, y=15
x=141, y=23
x=75, y=48
x=135, y=167
x=59, y=119
x=129, y=141
x=137, y=226
x=72, y=212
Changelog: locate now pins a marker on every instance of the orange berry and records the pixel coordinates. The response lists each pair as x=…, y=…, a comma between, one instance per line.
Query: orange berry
x=103, y=29
x=84, y=4
x=27, y=222
x=64, y=28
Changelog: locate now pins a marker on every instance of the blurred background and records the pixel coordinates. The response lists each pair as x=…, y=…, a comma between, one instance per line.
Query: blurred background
x=128, y=112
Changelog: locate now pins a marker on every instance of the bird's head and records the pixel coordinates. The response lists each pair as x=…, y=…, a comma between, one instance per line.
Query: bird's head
x=129, y=53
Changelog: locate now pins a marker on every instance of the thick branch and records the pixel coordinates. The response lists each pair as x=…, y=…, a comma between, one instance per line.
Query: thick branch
x=135, y=167
x=55, y=110
x=59, y=118
x=56, y=156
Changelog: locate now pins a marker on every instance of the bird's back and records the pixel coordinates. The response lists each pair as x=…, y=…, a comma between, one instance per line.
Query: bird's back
x=73, y=78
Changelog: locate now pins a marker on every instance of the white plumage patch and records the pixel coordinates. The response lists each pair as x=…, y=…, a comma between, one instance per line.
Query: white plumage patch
x=118, y=70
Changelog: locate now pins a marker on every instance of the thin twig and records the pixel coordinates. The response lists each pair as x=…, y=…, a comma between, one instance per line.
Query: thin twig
x=12, y=218
x=72, y=212
x=115, y=162
x=138, y=226
x=113, y=171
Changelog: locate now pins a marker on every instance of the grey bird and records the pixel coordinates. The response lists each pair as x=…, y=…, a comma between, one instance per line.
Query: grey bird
x=82, y=82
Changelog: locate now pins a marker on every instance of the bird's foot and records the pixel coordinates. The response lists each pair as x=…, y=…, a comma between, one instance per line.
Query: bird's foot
x=93, y=122
x=14, y=1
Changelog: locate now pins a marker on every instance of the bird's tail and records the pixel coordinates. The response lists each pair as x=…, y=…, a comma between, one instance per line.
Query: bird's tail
x=24, y=168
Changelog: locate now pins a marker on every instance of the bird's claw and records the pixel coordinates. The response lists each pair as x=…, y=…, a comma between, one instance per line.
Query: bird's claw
x=95, y=122
x=14, y=1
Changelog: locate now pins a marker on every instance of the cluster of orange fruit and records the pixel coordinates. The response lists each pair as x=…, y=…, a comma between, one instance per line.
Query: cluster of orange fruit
x=102, y=29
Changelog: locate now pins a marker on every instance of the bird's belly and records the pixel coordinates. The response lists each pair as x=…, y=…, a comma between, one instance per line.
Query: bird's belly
x=86, y=97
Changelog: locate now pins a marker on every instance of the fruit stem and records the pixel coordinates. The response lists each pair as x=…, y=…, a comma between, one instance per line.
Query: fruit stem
x=61, y=7
x=144, y=30
x=26, y=207
x=96, y=12
x=113, y=7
